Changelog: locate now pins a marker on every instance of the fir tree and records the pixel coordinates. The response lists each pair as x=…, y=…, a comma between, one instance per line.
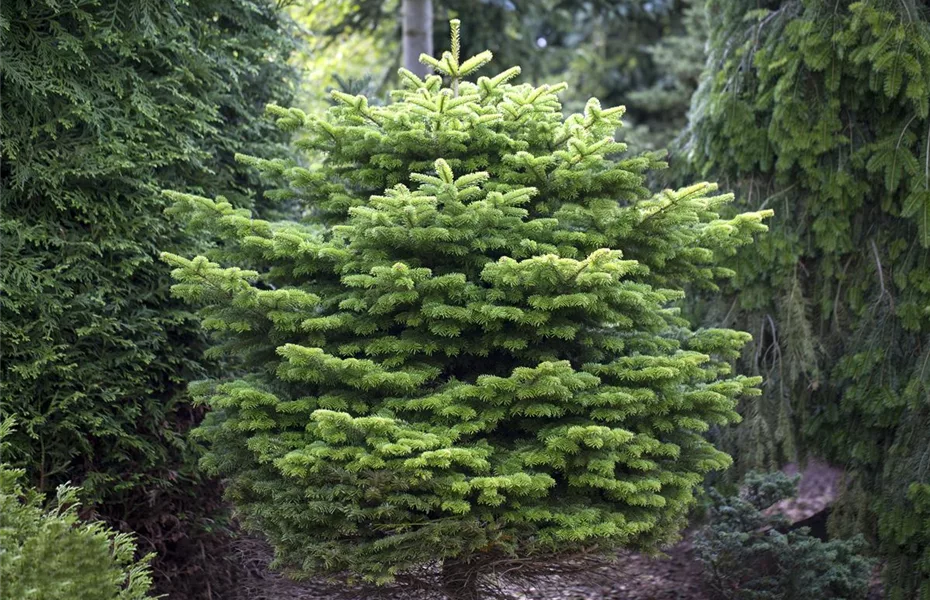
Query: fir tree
x=472, y=356
x=609, y=49
x=104, y=104
x=822, y=109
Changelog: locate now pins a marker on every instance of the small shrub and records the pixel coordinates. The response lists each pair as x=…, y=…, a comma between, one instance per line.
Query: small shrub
x=50, y=554
x=748, y=558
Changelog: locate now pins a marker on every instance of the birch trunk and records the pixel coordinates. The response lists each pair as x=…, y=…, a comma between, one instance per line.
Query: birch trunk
x=418, y=34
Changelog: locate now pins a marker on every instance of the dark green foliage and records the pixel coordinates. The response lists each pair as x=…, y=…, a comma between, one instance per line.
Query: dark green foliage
x=456, y=362
x=821, y=110
x=746, y=557
x=104, y=104
x=678, y=59
x=49, y=554
x=604, y=48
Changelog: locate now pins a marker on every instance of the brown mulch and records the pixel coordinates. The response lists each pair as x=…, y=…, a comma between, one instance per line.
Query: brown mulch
x=632, y=577
x=676, y=576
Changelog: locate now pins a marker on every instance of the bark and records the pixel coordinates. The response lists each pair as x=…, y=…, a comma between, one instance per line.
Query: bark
x=460, y=581
x=418, y=34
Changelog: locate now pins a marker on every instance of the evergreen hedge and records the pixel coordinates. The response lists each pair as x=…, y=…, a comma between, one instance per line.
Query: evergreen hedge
x=103, y=105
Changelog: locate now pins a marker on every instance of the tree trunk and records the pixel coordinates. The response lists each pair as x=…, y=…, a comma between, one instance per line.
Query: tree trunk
x=418, y=34
x=460, y=581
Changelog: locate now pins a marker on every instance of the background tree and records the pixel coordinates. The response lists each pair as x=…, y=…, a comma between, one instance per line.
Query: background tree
x=820, y=109
x=678, y=59
x=417, y=33
x=103, y=104
x=454, y=363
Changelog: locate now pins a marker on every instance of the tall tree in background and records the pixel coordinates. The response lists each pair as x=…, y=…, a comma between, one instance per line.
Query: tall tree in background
x=103, y=105
x=678, y=59
x=821, y=110
x=417, y=34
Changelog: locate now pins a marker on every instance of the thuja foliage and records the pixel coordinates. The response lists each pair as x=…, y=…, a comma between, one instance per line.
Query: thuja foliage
x=747, y=556
x=473, y=354
x=822, y=110
x=103, y=105
x=50, y=554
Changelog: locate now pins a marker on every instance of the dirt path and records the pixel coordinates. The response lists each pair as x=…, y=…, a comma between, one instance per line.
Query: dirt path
x=677, y=576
